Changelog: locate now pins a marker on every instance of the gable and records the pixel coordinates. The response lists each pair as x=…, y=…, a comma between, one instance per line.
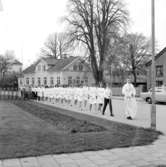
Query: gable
x=41, y=66
x=62, y=64
x=162, y=53
x=78, y=65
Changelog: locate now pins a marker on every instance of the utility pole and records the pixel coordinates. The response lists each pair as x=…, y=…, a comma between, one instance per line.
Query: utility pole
x=153, y=71
x=1, y=6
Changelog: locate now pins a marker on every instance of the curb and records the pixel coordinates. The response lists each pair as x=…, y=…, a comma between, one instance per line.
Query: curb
x=122, y=98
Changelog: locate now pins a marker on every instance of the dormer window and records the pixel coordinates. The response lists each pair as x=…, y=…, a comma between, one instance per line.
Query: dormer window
x=75, y=67
x=80, y=67
x=44, y=68
x=39, y=67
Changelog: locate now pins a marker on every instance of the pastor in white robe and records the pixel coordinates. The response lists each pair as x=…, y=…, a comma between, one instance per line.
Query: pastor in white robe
x=129, y=92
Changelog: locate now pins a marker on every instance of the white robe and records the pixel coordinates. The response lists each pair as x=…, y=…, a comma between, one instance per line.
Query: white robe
x=129, y=92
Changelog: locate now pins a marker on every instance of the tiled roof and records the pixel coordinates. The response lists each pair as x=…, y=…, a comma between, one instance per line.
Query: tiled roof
x=61, y=63
x=16, y=62
x=56, y=64
x=30, y=69
x=50, y=61
x=157, y=56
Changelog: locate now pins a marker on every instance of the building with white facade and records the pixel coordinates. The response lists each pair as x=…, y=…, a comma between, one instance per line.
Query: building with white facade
x=15, y=67
x=51, y=72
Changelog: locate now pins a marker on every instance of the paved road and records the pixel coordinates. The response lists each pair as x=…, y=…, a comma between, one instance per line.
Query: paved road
x=142, y=118
x=141, y=156
x=143, y=114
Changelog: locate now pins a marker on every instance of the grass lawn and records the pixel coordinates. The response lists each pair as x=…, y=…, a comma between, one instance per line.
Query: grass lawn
x=26, y=129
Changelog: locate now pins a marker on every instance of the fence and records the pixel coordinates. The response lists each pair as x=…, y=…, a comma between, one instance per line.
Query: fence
x=10, y=95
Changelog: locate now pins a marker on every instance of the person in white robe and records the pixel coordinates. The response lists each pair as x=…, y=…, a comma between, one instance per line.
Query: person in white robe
x=129, y=93
x=100, y=97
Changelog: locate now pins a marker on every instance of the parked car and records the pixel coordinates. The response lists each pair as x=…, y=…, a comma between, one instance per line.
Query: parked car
x=160, y=95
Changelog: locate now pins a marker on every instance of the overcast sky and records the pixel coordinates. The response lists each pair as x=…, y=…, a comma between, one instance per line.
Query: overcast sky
x=25, y=24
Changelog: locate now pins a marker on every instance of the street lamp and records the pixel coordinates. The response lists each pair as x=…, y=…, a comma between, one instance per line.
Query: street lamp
x=153, y=106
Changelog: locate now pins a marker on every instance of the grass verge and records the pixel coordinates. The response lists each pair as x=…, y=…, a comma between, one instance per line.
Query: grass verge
x=27, y=129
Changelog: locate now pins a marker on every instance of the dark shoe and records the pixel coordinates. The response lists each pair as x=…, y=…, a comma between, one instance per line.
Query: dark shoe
x=129, y=118
x=102, y=113
x=112, y=115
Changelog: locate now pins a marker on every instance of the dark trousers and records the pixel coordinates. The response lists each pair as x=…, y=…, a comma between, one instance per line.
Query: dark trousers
x=107, y=101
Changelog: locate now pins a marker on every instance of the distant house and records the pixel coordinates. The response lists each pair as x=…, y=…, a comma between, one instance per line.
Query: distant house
x=15, y=67
x=51, y=72
x=9, y=78
x=160, y=64
x=119, y=78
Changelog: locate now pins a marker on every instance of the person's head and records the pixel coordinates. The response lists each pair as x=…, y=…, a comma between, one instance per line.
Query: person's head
x=128, y=80
x=100, y=84
x=108, y=85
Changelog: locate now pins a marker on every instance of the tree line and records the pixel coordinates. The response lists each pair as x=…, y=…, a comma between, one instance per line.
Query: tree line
x=101, y=28
x=7, y=79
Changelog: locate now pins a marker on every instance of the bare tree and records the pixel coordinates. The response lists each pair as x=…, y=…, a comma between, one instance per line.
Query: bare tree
x=93, y=23
x=50, y=47
x=132, y=52
x=5, y=62
x=138, y=49
x=56, y=46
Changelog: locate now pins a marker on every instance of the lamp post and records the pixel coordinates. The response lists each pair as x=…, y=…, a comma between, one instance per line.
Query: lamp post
x=153, y=106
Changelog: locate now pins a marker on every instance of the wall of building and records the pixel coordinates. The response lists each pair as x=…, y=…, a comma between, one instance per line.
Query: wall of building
x=78, y=77
x=15, y=68
x=58, y=78
x=160, y=80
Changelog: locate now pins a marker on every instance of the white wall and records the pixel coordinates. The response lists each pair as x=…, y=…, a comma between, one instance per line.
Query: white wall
x=15, y=68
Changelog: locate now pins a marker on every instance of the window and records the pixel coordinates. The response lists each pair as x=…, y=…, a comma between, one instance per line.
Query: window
x=159, y=71
x=75, y=67
x=44, y=68
x=159, y=83
x=86, y=79
x=69, y=80
x=58, y=80
x=80, y=67
x=51, y=81
x=39, y=67
x=38, y=81
x=27, y=81
x=33, y=81
x=45, y=81
x=21, y=82
x=78, y=80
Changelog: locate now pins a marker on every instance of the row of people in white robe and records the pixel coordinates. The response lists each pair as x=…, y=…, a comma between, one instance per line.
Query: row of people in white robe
x=94, y=96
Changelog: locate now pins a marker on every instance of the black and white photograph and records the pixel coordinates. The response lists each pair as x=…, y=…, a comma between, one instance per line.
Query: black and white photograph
x=82, y=83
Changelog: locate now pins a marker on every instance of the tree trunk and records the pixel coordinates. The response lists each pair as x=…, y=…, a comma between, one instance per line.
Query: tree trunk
x=135, y=78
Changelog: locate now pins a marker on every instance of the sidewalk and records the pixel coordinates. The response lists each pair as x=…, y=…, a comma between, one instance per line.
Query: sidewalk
x=145, y=156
